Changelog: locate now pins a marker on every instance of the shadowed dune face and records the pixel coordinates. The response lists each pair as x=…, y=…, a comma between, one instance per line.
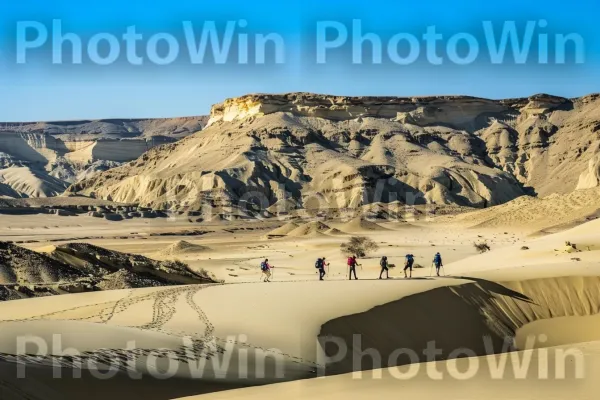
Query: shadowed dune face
x=454, y=318
x=42, y=385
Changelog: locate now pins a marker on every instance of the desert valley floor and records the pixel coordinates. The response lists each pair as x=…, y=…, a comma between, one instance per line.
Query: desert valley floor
x=529, y=283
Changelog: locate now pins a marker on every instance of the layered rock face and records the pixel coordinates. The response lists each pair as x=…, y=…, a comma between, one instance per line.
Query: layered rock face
x=315, y=151
x=43, y=158
x=459, y=111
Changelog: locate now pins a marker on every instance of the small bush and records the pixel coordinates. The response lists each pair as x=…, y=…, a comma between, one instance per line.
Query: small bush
x=359, y=246
x=524, y=248
x=418, y=266
x=482, y=247
x=204, y=273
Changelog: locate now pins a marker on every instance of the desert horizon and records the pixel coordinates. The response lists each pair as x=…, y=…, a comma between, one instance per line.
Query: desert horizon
x=315, y=220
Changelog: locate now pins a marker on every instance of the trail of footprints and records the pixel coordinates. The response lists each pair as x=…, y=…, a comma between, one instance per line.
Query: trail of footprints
x=163, y=311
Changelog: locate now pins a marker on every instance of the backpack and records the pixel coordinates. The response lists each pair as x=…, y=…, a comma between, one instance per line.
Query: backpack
x=350, y=261
x=437, y=259
x=382, y=262
x=263, y=266
x=319, y=263
x=409, y=257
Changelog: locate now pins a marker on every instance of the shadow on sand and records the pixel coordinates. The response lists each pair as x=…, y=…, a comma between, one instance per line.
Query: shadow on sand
x=453, y=317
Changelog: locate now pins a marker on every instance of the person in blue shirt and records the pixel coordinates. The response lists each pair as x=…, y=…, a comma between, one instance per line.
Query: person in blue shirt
x=437, y=261
x=320, y=265
x=408, y=264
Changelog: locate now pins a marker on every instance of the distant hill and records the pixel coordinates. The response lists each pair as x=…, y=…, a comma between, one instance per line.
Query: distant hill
x=40, y=159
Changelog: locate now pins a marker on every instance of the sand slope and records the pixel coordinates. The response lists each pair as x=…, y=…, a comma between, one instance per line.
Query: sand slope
x=181, y=247
x=284, y=229
x=532, y=214
x=360, y=224
x=29, y=182
x=309, y=229
x=415, y=312
x=389, y=382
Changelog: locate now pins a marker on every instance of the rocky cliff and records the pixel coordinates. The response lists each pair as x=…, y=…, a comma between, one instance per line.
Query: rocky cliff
x=317, y=151
x=456, y=111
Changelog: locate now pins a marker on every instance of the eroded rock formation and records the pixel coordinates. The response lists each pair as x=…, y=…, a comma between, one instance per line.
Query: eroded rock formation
x=317, y=151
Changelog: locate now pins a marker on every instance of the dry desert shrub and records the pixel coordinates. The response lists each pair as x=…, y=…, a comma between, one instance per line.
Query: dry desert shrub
x=482, y=247
x=359, y=246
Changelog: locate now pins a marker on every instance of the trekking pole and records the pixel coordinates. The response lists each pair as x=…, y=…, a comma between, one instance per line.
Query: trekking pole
x=431, y=269
x=443, y=271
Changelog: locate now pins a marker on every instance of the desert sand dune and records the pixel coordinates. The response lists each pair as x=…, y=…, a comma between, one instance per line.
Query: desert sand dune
x=309, y=229
x=359, y=224
x=530, y=214
x=389, y=382
x=217, y=312
x=181, y=247
x=544, y=253
x=494, y=310
x=284, y=229
x=197, y=312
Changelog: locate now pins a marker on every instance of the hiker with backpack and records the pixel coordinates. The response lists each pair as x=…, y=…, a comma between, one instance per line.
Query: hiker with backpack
x=266, y=270
x=384, y=267
x=437, y=261
x=408, y=264
x=320, y=265
x=352, y=263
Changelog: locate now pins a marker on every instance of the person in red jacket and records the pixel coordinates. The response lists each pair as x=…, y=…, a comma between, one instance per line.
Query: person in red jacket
x=352, y=263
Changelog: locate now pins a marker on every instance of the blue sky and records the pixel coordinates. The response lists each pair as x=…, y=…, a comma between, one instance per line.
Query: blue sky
x=40, y=90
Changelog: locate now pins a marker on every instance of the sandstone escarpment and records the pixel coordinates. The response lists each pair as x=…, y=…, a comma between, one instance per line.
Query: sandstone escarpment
x=452, y=110
x=317, y=151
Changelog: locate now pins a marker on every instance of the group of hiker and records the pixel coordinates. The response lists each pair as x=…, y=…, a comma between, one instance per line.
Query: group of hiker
x=352, y=263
